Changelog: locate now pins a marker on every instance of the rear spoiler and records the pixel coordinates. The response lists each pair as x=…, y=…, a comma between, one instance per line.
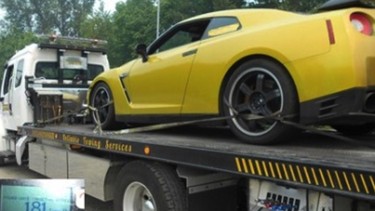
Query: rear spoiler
x=342, y=4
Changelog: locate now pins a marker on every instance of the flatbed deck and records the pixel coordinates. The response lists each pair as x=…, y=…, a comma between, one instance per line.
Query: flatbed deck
x=306, y=161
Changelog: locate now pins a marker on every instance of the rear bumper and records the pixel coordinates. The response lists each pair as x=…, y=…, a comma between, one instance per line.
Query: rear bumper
x=340, y=108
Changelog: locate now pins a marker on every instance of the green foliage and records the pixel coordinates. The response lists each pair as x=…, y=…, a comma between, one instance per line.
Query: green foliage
x=46, y=16
x=289, y=5
x=136, y=23
x=133, y=22
x=100, y=25
x=11, y=42
x=173, y=11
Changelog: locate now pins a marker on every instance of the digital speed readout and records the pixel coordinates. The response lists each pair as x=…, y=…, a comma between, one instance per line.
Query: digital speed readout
x=35, y=198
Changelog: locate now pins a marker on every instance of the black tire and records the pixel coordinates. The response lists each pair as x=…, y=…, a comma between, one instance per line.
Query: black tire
x=260, y=87
x=101, y=98
x=143, y=186
x=355, y=130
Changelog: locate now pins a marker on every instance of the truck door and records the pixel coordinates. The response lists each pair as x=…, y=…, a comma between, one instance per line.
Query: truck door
x=21, y=109
x=16, y=110
x=6, y=105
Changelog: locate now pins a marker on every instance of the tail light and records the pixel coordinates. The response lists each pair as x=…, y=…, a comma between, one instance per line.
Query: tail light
x=362, y=23
x=331, y=34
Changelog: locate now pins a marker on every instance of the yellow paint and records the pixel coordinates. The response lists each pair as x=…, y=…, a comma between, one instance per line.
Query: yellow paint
x=244, y=165
x=314, y=175
x=338, y=180
x=330, y=179
x=251, y=166
x=347, y=181
x=300, y=174
x=265, y=168
x=271, y=168
x=286, y=171
x=238, y=164
x=292, y=172
x=364, y=184
x=372, y=182
x=258, y=168
x=355, y=183
x=278, y=171
x=307, y=174
x=322, y=176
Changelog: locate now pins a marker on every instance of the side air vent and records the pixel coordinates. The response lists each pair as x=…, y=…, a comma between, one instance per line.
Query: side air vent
x=327, y=108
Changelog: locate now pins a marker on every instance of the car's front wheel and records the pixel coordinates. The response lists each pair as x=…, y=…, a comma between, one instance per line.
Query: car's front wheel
x=101, y=99
x=259, y=88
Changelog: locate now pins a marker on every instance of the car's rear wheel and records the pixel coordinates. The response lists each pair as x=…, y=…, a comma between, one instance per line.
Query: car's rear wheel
x=101, y=99
x=263, y=88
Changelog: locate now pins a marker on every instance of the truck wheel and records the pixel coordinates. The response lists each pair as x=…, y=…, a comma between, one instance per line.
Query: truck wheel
x=259, y=87
x=146, y=186
x=101, y=99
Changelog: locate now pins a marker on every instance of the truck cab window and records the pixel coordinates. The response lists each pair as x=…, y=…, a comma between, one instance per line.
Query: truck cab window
x=51, y=71
x=19, y=73
x=7, y=81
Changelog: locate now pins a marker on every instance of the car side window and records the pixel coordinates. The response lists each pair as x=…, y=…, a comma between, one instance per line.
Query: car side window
x=19, y=72
x=221, y=25
x=180, y=35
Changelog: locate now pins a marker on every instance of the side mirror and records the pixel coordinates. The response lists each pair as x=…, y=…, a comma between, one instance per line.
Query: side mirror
x=141, y=50
x=1, y=99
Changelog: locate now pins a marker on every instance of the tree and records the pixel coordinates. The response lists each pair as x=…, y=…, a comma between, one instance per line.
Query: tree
x=177, y=10
x=12, y=41
x=135, y=22
x=100, y=25
x=289, y=5
x=46, y=16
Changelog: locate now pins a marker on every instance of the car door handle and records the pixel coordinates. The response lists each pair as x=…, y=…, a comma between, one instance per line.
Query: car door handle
x=191, y=52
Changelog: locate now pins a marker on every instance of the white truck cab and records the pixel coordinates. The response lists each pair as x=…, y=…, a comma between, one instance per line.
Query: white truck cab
x=62, y=65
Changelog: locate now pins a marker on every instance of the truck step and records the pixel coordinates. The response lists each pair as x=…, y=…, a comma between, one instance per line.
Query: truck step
x=7, y=157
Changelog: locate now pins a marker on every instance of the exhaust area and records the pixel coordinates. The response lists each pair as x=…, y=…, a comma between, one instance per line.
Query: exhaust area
x=370, y=103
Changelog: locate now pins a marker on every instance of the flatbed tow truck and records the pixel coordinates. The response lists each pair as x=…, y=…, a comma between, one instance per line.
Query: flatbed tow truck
x=342, y=172
x=187, y=167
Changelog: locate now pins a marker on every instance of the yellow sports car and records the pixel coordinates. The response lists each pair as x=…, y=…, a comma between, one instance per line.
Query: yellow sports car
x=247, y=64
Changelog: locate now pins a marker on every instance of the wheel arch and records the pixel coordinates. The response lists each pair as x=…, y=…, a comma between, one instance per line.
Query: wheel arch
x=242, y=61
x=112, y=86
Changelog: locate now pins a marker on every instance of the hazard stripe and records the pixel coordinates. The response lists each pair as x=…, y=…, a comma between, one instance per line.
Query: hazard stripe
x=338, y=179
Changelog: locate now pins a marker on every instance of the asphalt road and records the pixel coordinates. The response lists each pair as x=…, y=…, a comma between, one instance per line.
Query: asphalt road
x=19, y=172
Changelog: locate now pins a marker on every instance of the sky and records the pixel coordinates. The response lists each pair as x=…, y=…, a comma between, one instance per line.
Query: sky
x=110, y=5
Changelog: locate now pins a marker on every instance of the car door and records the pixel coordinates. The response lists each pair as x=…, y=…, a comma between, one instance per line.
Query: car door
x=157, y=86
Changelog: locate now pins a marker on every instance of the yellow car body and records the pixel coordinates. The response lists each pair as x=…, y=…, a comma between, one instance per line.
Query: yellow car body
x=330, y=63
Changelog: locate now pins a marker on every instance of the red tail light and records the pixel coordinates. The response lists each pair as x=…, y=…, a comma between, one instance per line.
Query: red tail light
x=361, y=23
x=331, y=34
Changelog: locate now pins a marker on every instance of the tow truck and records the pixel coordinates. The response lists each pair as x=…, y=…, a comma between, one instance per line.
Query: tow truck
x=163, y=167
